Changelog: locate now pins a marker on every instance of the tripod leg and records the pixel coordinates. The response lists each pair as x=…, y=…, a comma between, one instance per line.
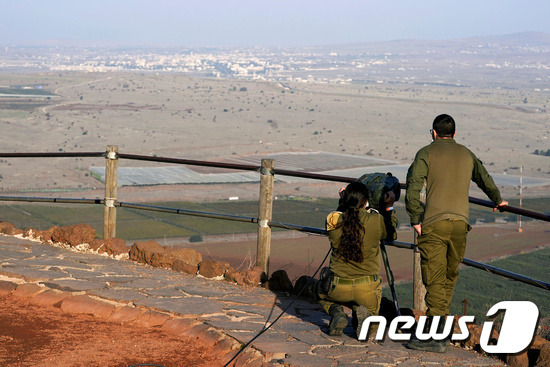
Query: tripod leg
x=389, y=275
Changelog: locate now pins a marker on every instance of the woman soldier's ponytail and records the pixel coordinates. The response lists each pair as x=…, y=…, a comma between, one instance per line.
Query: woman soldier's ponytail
x=355, y=197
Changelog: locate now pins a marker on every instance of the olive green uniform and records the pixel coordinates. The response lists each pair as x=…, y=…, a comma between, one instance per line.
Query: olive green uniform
x=447, y=169
x=356, y=284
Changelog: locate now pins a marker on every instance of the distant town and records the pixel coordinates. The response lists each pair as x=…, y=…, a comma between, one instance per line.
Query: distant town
x=473, y=62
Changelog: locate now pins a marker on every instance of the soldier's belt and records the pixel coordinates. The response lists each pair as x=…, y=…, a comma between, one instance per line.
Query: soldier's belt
x=365, y=279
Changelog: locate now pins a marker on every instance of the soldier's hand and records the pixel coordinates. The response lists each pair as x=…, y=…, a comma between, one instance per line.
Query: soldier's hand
x=500, y=206
x=418, y=228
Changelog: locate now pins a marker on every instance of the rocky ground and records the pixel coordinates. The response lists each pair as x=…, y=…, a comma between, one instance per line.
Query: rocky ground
x=217, y=313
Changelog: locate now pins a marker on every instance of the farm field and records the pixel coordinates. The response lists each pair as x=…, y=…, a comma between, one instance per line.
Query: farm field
x=482, y=290
x=175, y=115
x=135, y=224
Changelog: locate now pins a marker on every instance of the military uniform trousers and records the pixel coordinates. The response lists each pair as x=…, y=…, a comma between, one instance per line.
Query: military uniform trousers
x=442, y=245
x=365, y=291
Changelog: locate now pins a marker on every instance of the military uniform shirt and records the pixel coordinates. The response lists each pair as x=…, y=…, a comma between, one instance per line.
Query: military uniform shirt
x=375, y=231
x=448, y=168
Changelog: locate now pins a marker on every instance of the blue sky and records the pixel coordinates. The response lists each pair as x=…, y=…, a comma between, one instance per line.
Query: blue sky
x=264, y=22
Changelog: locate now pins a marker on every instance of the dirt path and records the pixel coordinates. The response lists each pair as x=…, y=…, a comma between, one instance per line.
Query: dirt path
x=37, y=336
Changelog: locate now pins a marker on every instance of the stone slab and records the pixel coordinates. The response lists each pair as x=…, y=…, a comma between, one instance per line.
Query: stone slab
x=62, y=263
x=164, y=292
x=125, y=295
x=203, y=290
x=307, y=360
x=314, y=338
x=31, y=274
x=13, y=251
x=294, y=326
x=244, y=299
x=74, y=285
x=254, y=310
x=222, y=322
x=184, y=306
x=143, y=283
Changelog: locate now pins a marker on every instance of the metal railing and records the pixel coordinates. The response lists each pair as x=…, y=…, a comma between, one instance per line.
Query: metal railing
x=110, y=203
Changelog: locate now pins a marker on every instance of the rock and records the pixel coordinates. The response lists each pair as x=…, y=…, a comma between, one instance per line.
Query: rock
x=538, y=342
x=7, y=228
x=96, y=244
x=30, y=233
x=231, y=275
x=186, y=255
x=279, y=282
x=213, y=269
x=154, y=254
x=46, y=236
x=112, y=246
x=144, y=252
x=518, y=360
x=475, y=334
x=182, y=267
x=254, y=276
x=544, y=356
x=6, y=287
x=538, y=354
x=74, y=235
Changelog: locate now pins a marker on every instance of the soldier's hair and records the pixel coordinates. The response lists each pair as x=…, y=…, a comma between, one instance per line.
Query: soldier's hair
x=355, y=197
x=444, y=126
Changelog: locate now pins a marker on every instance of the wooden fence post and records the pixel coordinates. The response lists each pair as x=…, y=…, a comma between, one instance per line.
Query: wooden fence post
x=111, y=178
x=265, y=215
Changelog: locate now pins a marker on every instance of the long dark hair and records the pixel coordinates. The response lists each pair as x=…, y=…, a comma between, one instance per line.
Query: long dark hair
x=355, y=197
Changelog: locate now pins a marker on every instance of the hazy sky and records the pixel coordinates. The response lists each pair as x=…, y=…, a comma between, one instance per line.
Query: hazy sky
x=264, y=22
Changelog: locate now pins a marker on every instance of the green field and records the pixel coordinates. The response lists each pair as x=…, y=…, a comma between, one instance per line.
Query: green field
x=135, y=224
x=482, y=289
x=30, y=92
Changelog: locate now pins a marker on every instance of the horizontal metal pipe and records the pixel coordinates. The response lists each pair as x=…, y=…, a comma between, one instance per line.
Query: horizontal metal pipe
x=511, y=209
x=408, y=246
x=488, y=268
x=315, y=176
x=52, y=155
x=507, y=274
x=187, y=212
x=296, y=227
x=51, y=200
x=245, y=167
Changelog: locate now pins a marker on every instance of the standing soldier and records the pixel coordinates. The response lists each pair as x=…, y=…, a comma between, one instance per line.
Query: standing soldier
x=442, y=225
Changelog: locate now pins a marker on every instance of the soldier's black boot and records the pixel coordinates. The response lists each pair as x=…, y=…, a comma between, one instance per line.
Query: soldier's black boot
x=430, y=345
x=339, y=320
